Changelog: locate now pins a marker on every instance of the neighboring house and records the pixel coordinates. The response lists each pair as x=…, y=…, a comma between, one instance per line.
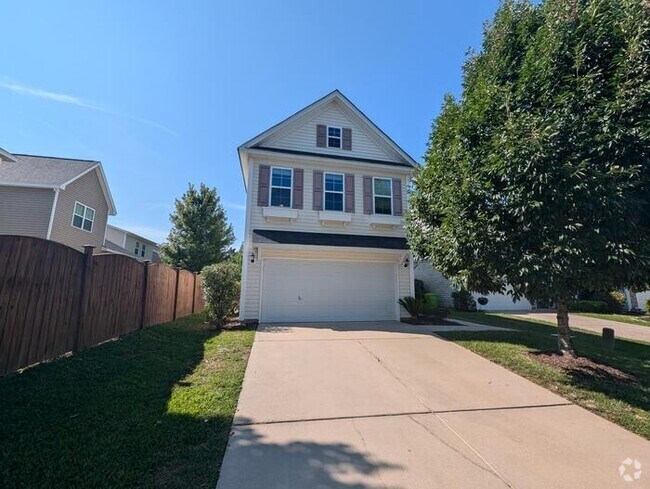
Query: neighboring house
x=436, y=283
x=637, y=300
x=324, y=237
x=125, y=242
x=60, y=199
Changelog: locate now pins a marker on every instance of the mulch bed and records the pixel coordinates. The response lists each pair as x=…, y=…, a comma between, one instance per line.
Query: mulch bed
x=582, y=366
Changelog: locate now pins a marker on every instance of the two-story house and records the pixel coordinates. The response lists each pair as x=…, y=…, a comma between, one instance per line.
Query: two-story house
x=59, y=199
x=128, y=243
x=324, y=233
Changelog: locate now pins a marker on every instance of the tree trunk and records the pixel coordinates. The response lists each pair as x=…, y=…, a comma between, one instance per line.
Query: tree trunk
x=563, y=330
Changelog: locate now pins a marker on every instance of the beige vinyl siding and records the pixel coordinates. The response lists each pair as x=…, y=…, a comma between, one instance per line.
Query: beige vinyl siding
x=308, y=219
x=254, y=275
x=88, y=191
x=25, y=211
x=434, y=282
x=303, y=137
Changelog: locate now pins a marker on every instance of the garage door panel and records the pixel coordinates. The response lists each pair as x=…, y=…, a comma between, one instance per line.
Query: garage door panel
x=312, y=290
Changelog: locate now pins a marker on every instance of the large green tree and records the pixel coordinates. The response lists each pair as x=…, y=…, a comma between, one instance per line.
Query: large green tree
x=200, y=235
x=538, y=176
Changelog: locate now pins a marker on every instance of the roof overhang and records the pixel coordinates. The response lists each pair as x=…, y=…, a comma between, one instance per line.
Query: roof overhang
x=7, y=156
x=262, y=237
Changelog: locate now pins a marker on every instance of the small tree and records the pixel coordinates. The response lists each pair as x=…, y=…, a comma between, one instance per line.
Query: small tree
x=221, y=291
x=539, y=176
x=200, y=234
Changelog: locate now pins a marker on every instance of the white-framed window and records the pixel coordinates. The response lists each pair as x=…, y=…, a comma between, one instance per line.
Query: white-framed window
x=281, y=185
x=83, y=217
x=382, y=195
x=137, y=248
x=144, y=248
x=334, y=136
x=334, y=191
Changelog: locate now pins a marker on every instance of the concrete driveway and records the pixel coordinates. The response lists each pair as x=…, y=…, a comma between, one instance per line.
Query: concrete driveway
x=387, y=405
x=594, y=325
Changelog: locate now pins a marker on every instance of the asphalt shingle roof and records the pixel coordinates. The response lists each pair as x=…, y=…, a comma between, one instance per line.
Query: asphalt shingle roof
x=326, y=239
x=42, y=170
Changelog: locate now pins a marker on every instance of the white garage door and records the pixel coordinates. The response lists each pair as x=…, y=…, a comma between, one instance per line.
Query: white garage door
x=312, y=290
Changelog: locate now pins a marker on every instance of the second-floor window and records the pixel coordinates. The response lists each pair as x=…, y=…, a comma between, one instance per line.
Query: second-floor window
x=333, y=191
x=144, y=248
x=383, y=195
x=333, y=137
x=83, y=217
x=281, y=179
x=137, y=248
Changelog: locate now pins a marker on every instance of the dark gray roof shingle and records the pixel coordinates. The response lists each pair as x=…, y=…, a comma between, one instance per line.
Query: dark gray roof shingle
x=261, y=236
x=42, y=170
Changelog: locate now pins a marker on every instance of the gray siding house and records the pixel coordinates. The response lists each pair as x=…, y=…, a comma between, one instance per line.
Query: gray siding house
x=65, y=200
x=125, y=242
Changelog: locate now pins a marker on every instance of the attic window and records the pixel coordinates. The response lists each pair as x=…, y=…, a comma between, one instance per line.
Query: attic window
x=333, y=137
x=83, y=217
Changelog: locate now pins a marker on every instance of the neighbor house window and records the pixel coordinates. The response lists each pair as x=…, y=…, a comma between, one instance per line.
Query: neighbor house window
x=137, y=248
x=333, y=192
x=144, y=248
x=83, y=217
x=333, y=137
x=281, y=187
x=383, y=195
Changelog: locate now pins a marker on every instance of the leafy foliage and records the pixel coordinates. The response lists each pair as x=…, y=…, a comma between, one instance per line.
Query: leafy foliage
x=412, y=305
x=420, y=289
x=589, y=306
x=482, y=301
x=463, y=300
x=539, y=175
x=221, y=288
x=200, y=235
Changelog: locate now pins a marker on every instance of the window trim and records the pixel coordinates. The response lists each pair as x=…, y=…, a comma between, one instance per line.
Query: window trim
x=271, y=187
x=136, y=250
x=340, y=138
x=342, y=192
x=374, y=210
x=83, y=218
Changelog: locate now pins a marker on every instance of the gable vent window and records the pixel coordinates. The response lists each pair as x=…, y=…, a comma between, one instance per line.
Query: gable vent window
x=83, y=217
x=281, y=187
x=333, y=137
x=333, y=192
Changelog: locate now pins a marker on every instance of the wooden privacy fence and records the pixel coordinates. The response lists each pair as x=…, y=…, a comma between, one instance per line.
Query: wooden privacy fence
x=55, y=300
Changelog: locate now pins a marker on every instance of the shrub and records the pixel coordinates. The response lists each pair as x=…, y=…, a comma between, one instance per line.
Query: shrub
x=420, y=289
x=614, y=299
x=221, y=291
x=430, y=303
x=412, y=305
x=589, y=306
x=647, y=305
x=482, y=300
x=463, y=300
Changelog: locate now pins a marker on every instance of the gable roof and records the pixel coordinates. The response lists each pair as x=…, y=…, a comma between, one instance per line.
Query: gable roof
x=400, y=157
x=126, y=231
x=50, y=172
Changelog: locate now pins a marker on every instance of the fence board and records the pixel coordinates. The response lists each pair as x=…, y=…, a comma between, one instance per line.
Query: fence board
x=41, y=303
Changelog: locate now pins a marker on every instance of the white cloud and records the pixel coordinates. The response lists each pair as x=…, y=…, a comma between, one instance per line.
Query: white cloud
x=72, y=100
x=235, y=206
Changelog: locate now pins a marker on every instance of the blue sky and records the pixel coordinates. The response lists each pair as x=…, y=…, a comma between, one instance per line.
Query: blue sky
x=162, y=92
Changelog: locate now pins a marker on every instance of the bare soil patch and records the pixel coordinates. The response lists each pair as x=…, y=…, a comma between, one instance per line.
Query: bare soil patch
x=582, y=366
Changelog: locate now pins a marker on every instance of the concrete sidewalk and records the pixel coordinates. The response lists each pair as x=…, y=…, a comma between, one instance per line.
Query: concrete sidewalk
x=594, y=325
x=366, y=405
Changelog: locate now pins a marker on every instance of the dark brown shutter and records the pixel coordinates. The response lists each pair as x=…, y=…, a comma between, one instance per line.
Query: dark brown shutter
x=318, y=190
x=347, y=138
x=321, y=136
x=397, y=197
x=349, y=192
x=367, y=195
x=298, y=178
x=263, y=186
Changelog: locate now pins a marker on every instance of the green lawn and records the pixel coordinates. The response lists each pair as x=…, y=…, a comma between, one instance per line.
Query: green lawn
x=152, y=409
x=623, y=318
x=624, y=403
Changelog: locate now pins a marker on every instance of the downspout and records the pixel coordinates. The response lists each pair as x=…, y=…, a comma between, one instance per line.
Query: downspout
x=51, y=223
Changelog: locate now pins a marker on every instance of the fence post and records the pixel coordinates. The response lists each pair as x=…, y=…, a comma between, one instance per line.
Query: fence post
x=145, y=286
x=194, y=293
x=178, y=275
x=83, y=294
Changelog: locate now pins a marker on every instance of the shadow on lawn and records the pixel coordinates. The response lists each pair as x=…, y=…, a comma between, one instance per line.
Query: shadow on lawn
x=99, y=418
x=629, y=357
x=106, y=418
